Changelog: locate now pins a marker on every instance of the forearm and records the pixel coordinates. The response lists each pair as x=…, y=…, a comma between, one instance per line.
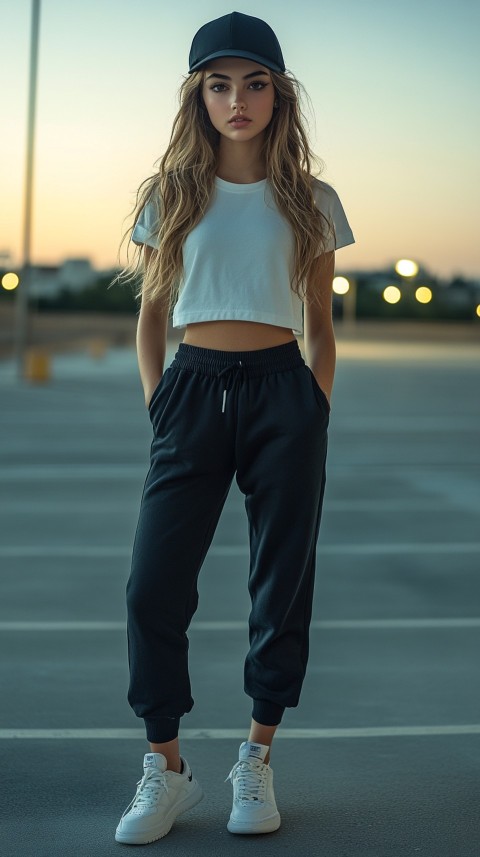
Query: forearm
x=151, y=349
x=319, y=337
x=320, y=355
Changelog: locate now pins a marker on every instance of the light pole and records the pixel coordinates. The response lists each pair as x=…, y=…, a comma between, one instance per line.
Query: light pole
x=21, y=321
x=347, y=287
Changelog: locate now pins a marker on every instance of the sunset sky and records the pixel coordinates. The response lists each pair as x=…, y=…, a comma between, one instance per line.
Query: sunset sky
x=394, y=92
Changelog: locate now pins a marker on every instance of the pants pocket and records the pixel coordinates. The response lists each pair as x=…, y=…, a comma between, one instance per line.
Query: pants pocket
x=157, y=394
x=320, y=396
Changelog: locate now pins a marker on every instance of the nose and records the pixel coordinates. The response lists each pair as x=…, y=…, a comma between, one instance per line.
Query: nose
x=238, y=102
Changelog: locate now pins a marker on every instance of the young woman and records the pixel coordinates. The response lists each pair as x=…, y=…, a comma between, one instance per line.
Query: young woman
x=239, y=238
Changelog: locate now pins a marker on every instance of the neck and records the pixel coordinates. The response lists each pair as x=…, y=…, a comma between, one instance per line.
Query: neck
x=241, y=163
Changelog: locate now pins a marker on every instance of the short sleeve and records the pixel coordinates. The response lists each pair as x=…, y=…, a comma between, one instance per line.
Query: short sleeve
x=328, y=202
x=145, y=230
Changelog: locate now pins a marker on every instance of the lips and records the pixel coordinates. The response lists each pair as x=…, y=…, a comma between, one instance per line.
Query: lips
x=238, y=119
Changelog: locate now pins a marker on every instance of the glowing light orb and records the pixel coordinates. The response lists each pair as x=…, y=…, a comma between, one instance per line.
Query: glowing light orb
x=10, y=282
x=423, y=295
x=341, y=285
x=406, y=268
x=392, y=295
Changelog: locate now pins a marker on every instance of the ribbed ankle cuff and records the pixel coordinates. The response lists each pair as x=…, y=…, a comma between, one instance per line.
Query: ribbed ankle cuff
x=161, y=729
x=267, y=713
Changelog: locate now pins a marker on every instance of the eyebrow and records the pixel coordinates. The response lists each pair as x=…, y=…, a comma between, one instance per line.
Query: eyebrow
x=246, y=77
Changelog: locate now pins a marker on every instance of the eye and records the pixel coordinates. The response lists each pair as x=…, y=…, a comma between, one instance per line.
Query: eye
x=260, y=84
x=215, y=86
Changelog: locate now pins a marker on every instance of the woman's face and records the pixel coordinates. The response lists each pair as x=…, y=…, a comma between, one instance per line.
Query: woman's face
x=235, y=87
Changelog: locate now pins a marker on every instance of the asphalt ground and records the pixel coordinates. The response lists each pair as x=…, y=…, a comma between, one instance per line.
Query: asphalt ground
x=382, y=757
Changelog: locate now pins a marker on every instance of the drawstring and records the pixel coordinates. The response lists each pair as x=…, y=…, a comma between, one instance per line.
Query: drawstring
x=238, y=366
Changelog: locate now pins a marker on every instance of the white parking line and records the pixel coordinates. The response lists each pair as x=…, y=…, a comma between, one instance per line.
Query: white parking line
x=219, y=734
x=57, y=417
x=115, y=505
x=99, y=472
x=359, y=549
x=119, y=470
x=242, y=625
x=367, y=549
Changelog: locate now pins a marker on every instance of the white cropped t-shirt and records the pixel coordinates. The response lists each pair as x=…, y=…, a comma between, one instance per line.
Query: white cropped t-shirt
x=238, y=260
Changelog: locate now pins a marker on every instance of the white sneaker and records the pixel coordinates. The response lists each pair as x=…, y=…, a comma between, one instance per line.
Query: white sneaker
x=254, y=809
x=161, y=796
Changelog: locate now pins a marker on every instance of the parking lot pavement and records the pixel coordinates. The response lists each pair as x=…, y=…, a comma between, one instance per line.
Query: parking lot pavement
x=382, y=757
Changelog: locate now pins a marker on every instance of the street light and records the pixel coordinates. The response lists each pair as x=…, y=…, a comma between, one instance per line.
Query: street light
x=423, y=295
x=406, y=268
x=340, y=285
x=392, y=295
x=10, y=281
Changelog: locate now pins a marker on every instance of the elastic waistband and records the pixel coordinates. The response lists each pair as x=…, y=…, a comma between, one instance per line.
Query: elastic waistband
x=211, y=361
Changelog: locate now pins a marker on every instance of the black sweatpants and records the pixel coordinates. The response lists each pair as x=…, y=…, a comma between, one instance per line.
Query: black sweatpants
x=261, y=416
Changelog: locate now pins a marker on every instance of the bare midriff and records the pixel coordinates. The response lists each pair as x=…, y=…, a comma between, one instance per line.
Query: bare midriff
x=236, y=335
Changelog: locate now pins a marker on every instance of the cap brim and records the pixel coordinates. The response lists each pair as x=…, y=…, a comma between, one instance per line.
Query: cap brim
x=232, y=53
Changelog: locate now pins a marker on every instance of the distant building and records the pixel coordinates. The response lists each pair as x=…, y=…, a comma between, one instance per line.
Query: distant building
x=5, y=259
x=73, y=275
x=76, y=274
x=44, y=281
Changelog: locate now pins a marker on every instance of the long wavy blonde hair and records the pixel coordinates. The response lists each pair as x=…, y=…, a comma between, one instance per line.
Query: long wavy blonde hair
x=183, y=186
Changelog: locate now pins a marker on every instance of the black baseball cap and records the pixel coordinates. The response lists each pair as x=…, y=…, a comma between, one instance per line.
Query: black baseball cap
x=236, y=35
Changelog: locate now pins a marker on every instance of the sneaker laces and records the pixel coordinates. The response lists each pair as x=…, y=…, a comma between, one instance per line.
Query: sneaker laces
x=251, y=780
x=147, y=791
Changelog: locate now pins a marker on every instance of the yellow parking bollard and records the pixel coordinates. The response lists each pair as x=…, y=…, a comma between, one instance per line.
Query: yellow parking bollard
x=37, y=365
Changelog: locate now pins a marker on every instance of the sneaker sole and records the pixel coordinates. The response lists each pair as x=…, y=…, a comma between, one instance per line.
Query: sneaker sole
x=268, y=825
x=146, y=837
